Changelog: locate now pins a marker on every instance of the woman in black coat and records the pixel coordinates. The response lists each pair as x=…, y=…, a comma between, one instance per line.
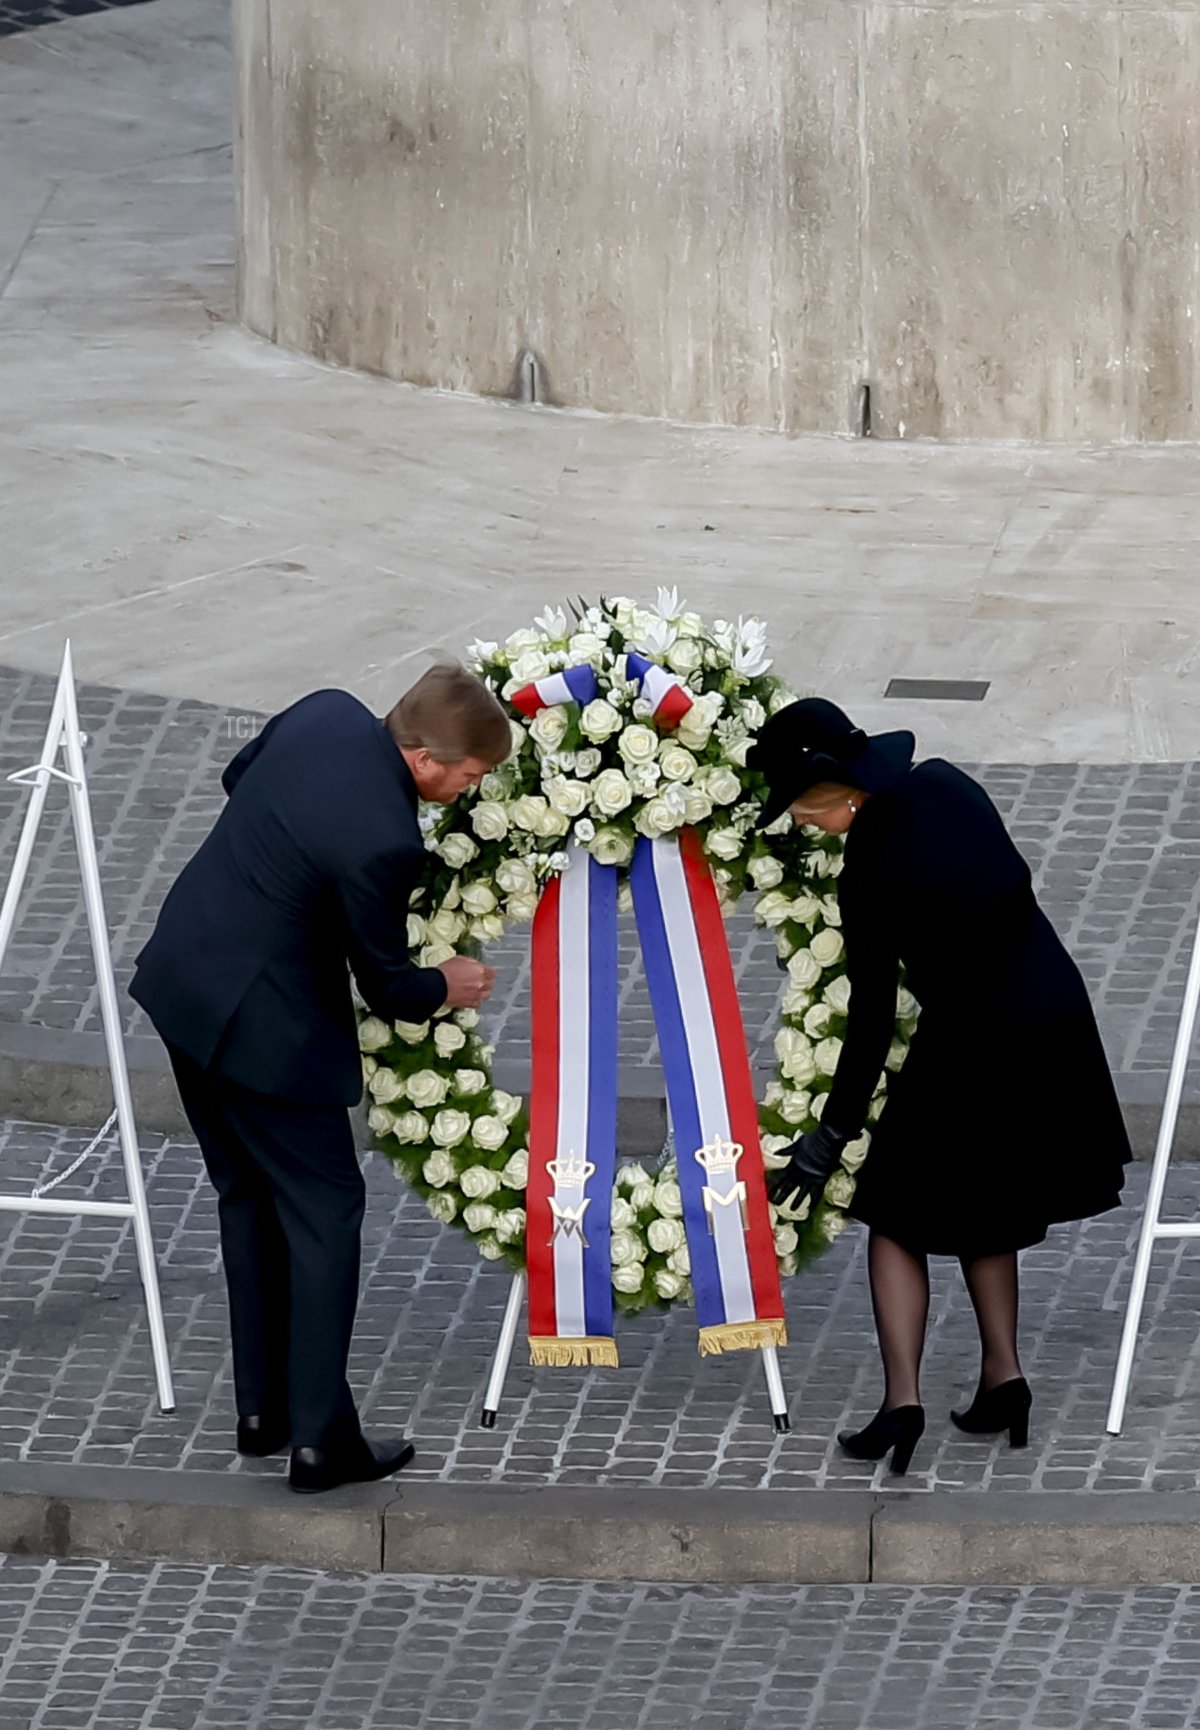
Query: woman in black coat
x=1004, y=1119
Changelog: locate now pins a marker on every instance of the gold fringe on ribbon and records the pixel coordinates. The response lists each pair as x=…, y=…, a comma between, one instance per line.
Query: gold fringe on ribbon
x=560, y=1354
x=742, y=1337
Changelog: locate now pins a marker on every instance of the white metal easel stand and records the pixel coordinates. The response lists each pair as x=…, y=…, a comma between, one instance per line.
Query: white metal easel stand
x=63, y=734
x=508, y=1339
x=1153, y=1230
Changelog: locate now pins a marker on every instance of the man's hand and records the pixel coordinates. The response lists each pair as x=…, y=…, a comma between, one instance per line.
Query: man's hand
x=468, y=983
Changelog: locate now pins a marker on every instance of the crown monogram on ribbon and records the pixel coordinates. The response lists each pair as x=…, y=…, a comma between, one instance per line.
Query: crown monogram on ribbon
x=570, y=1171
x=720, y=1160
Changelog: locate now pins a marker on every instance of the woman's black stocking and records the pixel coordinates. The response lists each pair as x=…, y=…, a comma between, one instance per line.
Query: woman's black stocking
x=900, y=1297
x=992, y=1283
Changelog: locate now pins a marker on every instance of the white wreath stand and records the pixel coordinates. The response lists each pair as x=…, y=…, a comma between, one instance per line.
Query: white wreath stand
x=1153, y=1229
x=63, y=735
x=508, y=1339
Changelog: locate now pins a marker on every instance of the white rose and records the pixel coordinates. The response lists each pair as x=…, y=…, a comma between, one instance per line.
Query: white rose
x=765, y=872
x=833, y=1225
x=668, y=1198
x=478, y=899
x=656, y=818
x=551, y=823
x=752, y=713
x=630, y=1175
x=369, y=1066
x=829, y=864
x=855, y=1153
x=516, y=1173
x=469, y=1082
x=796, y=1001
x=587, y=762
x=426, y=1088
x=528, y=811
x=906, y=1005
x=386, y=1086
x=446, y=927
x=489, y=1248
x=837, y=994
x=411, y=1128
x=448, y=1038
x=521, y=907
x=517, y=737
x=434, y=954
x=450, y=1126
x=505, y=1106
x=773, y=908
x=897, y=1052
x=773, y=1147
x=598, y=721
x=549, y=726
x=697, y=806
x=679, y=1261
x=795, y=1107
x=489, y=1133
x=795, y=1056
x=487, y=929
x=513, y=877
x=644, y=778
x=641, y=1196
x=668, y=1285
x=839, y=1191
x=519, y=641
x=568, y=797
x=827, y=947
x=816, y=1022
x=438, y=1170
x=664, y=1235
x=625, y=1247
x=723, y=843
x=380, y=1121
x=786, y=1239
x=585, y=646
x=831, y=910
x=623, y=1215
x=412, y=1032
x=373, y=1034
x=510, y=1225
x=805, y=910
x=530, y=666
x=443, y=1207
x=415, y=930
x=826, y=1055
x=457, y=849
x=804, y=970
x=693, y=731
x=611, y=847
x=676, y=763
x=684, y=657
x=722, y=786
x=629, y=1278
x=489, y=820
x=611, y=792
x=479, y=1216
x=477, y=1182
x=638, y=744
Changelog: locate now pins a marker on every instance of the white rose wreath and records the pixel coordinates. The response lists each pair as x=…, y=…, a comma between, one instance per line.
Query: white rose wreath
x=603, y=775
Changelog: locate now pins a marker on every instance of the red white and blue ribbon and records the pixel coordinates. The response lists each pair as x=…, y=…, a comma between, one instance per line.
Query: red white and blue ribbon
x=669, y=700
x=735, y=1274
x=572, y=685
x=573, y=1116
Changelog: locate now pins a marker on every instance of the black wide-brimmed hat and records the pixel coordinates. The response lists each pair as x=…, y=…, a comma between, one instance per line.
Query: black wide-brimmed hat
x=812, y=741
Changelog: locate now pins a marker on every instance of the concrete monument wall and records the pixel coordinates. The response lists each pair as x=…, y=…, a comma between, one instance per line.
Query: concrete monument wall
x=738, y=210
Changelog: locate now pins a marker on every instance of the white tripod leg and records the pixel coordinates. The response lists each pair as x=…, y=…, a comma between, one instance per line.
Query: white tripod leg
x=111, y=1019
x=1151, y=1229
x=504, y=1352
x=779, y=1410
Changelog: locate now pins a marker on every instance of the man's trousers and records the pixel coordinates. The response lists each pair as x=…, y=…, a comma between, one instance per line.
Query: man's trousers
x=290, y=1202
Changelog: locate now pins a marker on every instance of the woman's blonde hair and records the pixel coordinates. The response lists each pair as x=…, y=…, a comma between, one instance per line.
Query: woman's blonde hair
x=823, y=797
x=452, y=715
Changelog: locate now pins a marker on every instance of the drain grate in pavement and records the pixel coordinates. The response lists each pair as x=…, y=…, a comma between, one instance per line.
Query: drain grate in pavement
x=940, y=690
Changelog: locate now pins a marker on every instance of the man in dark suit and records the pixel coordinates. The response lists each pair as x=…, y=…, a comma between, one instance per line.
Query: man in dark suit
x=305, y=879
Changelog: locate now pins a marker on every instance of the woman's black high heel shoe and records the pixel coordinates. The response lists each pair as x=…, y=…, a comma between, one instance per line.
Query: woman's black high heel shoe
x=896, y=1432
x=1005, y=1407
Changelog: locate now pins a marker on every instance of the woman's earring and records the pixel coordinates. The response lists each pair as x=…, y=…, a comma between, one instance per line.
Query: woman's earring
x=853, y=806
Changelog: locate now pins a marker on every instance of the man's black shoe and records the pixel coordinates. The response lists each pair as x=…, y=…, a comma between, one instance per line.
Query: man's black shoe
x=362, y=1462
x=263, y=1433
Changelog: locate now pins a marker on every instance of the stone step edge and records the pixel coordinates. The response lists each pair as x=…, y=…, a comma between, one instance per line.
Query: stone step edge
x=52, y=1075
x=531, y=1532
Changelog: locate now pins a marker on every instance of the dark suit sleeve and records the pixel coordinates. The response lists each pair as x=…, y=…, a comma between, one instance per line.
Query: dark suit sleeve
x=235, y=769
x=873, y=968
x=375, y=897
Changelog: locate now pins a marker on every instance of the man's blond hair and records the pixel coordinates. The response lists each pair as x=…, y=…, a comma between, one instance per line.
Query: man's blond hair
x=452, y=715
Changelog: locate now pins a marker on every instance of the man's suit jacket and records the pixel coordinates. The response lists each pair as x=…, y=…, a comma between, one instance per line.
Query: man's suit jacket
x=306, y=876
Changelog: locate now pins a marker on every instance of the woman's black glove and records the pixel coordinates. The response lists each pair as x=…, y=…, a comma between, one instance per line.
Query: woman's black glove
x=811, y=1163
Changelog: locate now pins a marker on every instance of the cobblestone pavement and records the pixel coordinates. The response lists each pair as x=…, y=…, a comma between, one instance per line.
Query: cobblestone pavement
x=18, y=15
x=1116, y=850
x=76, y=1382
x=100, y=1647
